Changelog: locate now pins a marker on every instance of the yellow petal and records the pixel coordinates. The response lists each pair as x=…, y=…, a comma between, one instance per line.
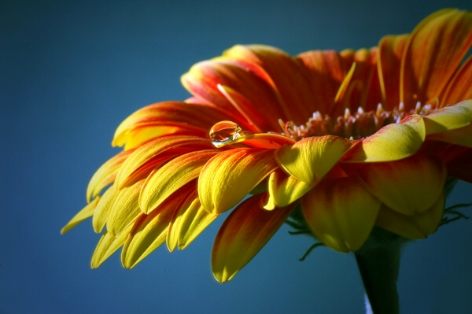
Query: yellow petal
x=125, y=208
x=311, y=158
x=417, y=226
x=102, y=211
x=83, y=214
x=284, y=189
x=449, y=118
x=229, y=176
x=106, y=174
x=406, y=186
x=107, y=245
x=148, y=234
x=243, y=234
x=462, y=136
x=163, y=182
x=340, y=213
x=392, y=142
x=189, y=221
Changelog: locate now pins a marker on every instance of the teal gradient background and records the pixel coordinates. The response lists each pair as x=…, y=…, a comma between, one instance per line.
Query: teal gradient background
x=71, y=71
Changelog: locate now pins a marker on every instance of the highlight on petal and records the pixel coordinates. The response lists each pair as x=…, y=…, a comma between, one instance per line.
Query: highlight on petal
x=188, y=222
x=284, y=189
x=243, y=234
x=407, y=186
x=231, y=175
x=416, y=226
x=311, y=158
x=83, y=214
x=340, y=213
x=163, y=182
x=392, y=142
x=462, y=136
x=454, y=93
x=449, y=118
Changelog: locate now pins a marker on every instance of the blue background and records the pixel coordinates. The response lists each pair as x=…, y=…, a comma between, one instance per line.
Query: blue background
x=72, y=71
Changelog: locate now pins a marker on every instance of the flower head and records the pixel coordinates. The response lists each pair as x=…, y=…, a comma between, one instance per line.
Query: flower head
x=356, y=139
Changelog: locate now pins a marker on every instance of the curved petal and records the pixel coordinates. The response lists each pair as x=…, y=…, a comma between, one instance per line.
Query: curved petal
x=83, y=214
x=462, y=136
x=205, y=78
x=449, y=118
x=149, y=232
x=284, y=189
x=392, y=142
x=444, y=35
x=283, y=73
x=166, y=118
x=390, y=53
x=311, y=158
x=107, y=245
x=125, y=208
x=231, y=175
x=106, y=174
x=163, y=182
x=406, y=186
x=455, y=91
x=188, y=222
x=243, y=234
x=417, y=226
x=155, y=153
x=103, y=209
x=340, y=213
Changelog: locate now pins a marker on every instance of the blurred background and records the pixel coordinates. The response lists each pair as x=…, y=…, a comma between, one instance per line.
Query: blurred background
x=71, y=71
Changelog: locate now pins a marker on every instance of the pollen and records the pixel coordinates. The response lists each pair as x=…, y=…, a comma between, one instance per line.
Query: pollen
x=352, y=125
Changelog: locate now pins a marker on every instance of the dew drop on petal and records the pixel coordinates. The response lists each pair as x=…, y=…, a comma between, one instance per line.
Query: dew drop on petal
x=224, y=132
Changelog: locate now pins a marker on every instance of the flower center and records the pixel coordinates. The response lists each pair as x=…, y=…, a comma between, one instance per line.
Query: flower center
x=351, y=125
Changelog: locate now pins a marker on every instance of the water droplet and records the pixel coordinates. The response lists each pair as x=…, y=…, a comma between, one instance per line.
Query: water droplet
x=224, y=132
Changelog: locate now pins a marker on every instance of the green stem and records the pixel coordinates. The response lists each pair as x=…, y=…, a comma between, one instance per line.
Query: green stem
x=379, y=262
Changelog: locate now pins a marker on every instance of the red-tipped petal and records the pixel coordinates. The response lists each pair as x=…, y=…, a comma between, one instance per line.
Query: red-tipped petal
x=243, y=234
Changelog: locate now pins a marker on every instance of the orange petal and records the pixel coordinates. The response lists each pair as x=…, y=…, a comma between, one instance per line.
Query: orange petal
x=455, y=91
x=282, y=72
x=166, y=118
x=205, y=78
x=392, y=142
x=390, y=52
x=163, y=182
x=231, y=175
x=154, y=153
x=406, y=186
x=188, y=222
x=284, y=189
x=340, y=213
x=83, y=214
x=433, y=53
x=243, y=234
x=311, y=158
x=417, y=226
x=325, y=71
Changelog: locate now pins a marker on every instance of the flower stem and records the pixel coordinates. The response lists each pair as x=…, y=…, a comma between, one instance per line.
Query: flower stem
x=379, y=262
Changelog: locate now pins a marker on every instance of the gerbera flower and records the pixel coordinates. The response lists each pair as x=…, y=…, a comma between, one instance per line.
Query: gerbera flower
x=356, y=139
